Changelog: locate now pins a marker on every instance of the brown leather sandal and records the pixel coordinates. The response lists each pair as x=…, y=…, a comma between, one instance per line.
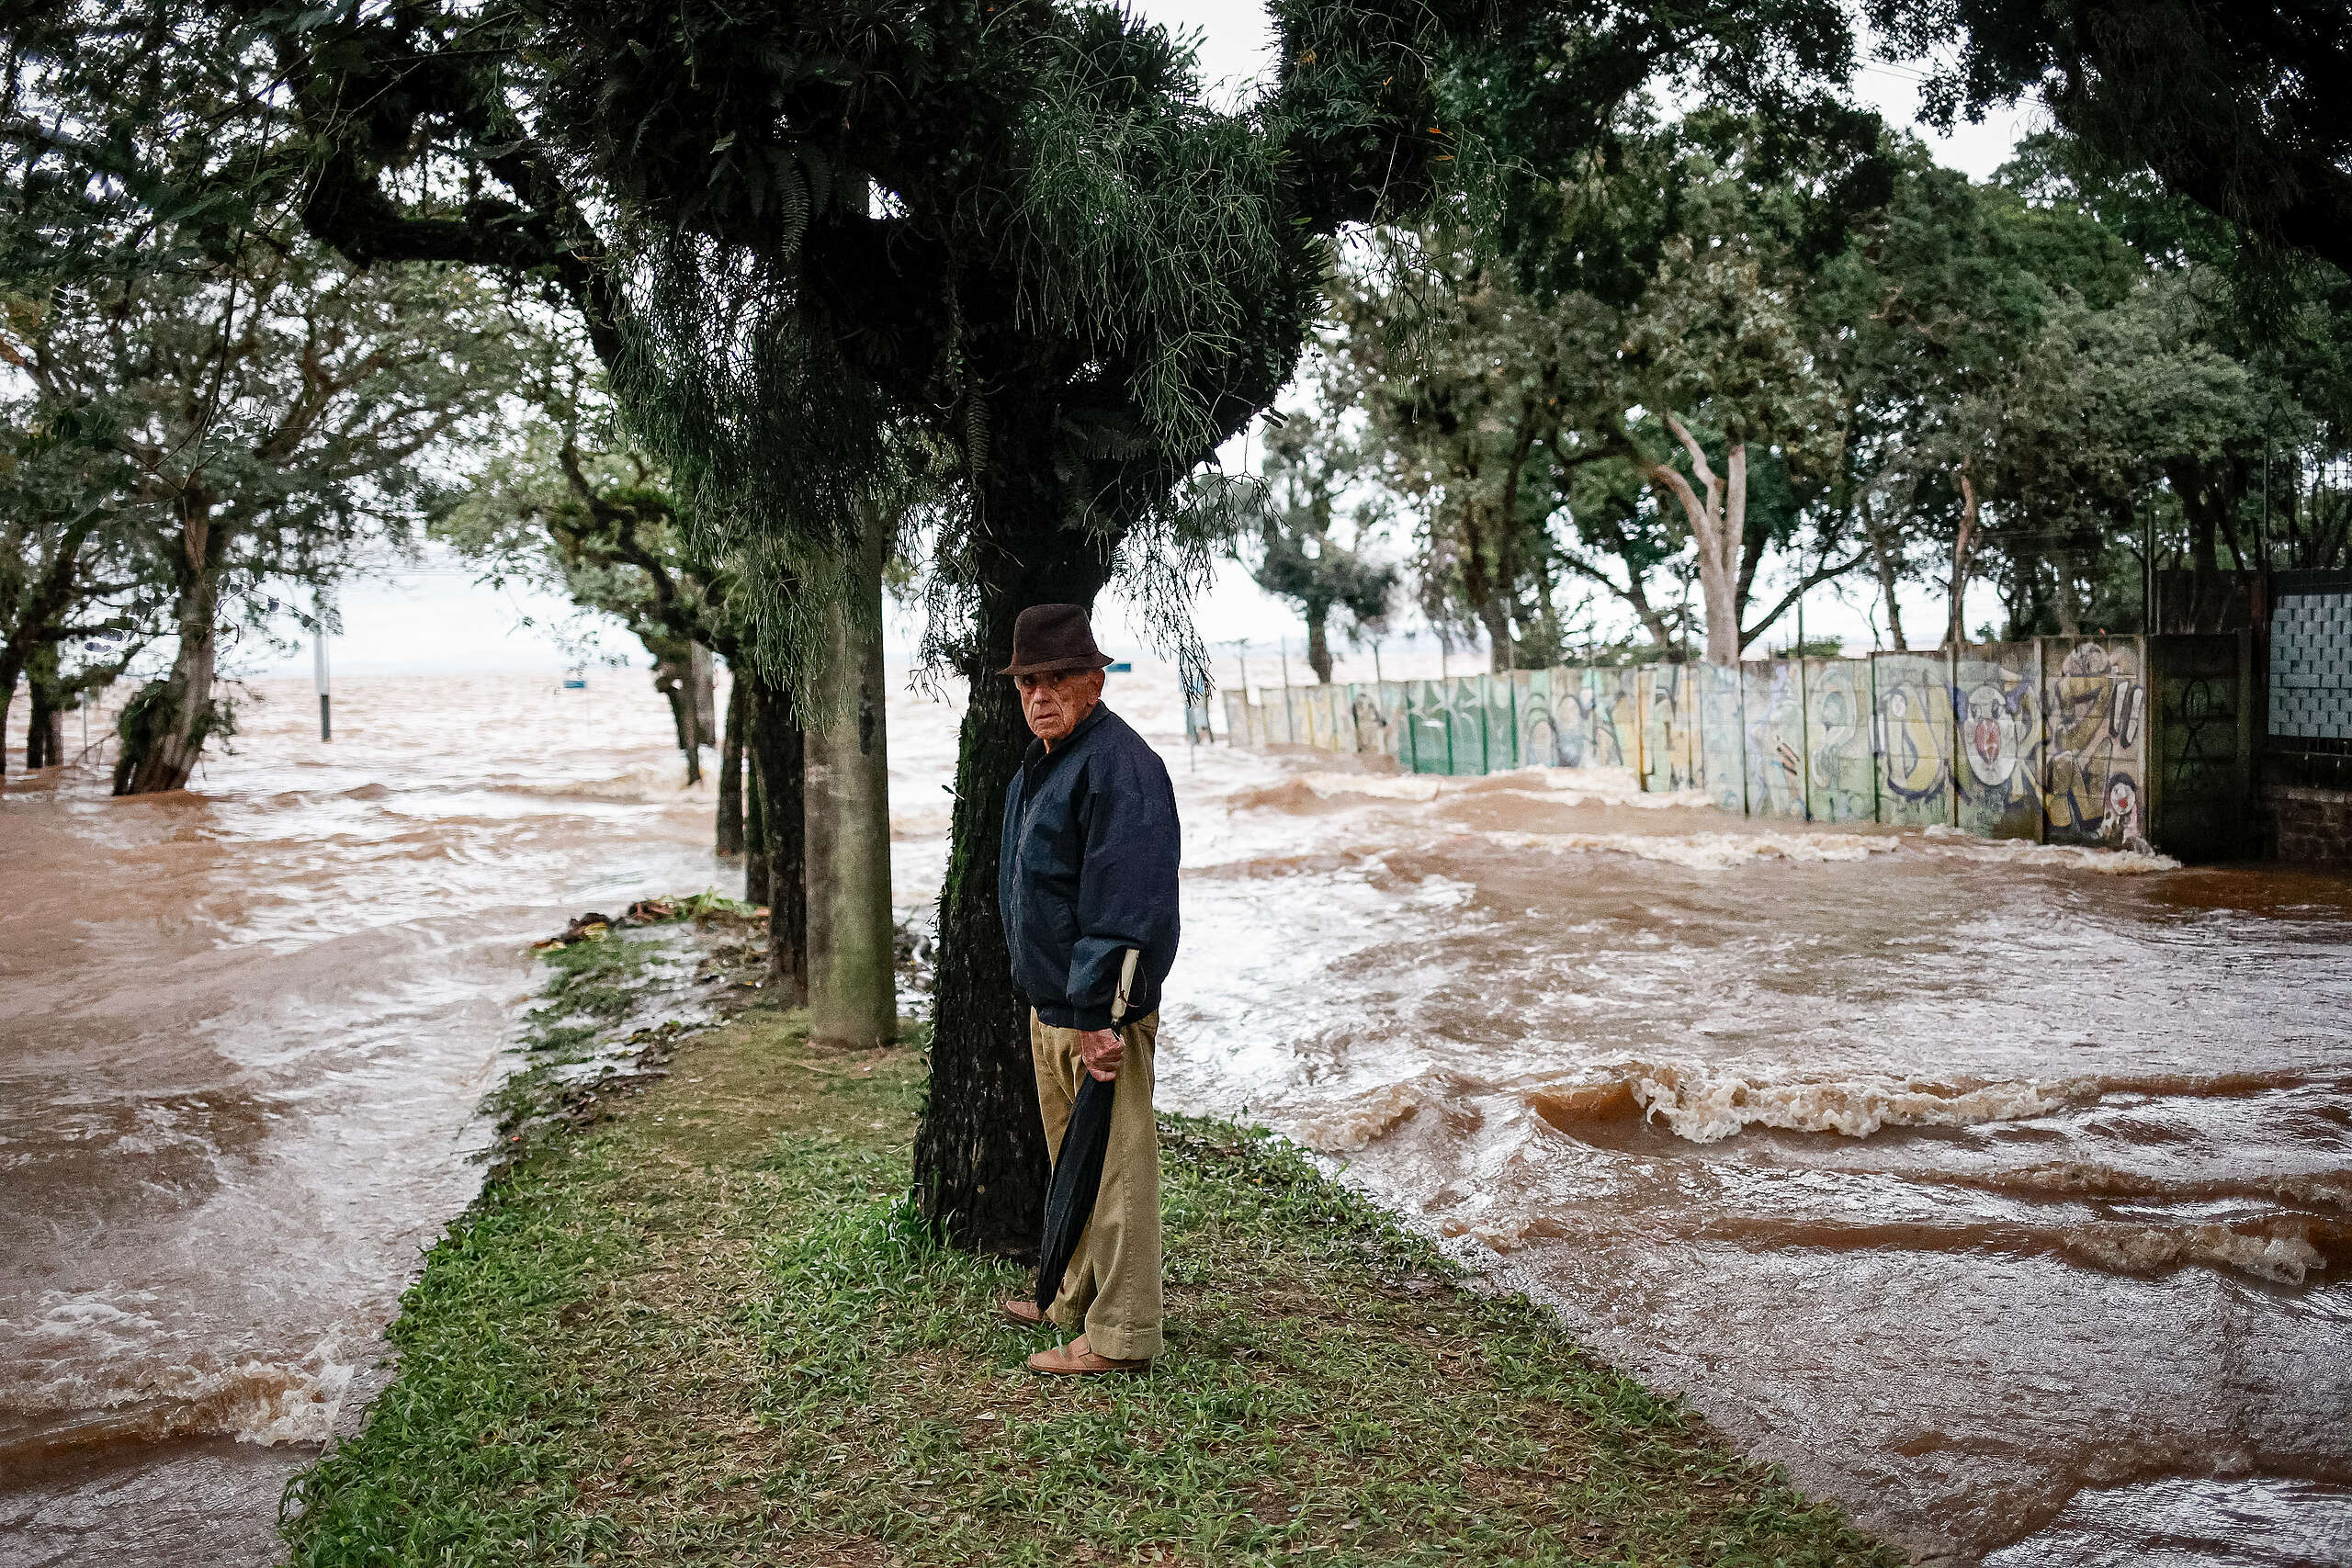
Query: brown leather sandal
x=1077, y=1358
x=1021, y=1313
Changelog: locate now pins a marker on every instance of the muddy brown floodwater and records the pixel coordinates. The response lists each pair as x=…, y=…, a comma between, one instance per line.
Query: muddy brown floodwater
x=2002, y=1193
x=242, y=1031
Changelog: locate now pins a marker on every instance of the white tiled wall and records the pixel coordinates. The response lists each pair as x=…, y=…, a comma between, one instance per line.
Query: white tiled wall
x=2310, y=666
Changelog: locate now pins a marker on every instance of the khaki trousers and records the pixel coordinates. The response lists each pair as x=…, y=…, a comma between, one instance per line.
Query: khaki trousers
x=1114, y=1280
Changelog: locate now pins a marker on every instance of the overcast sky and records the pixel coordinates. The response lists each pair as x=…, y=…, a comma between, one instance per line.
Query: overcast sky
x=441, y=620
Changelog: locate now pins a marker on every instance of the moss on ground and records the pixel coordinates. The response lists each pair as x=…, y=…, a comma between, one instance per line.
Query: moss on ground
x=706, y=1327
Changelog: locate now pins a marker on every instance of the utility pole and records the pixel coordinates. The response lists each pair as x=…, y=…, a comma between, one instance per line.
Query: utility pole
x=2265, y=536
x=1290, y=725
x=2148, y=604
x=319, y=669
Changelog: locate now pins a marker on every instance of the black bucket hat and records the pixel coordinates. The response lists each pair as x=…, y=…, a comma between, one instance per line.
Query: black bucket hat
x=1049, y=639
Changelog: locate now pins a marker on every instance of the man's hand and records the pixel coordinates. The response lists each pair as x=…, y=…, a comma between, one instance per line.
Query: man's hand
x=1102, y=1050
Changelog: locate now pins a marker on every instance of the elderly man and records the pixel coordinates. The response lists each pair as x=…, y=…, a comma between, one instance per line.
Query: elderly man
x=1086, y=876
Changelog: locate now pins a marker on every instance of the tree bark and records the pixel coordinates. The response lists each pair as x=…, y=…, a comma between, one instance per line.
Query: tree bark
x=1318, y=642
x=980, y=1160
x=852, y=981
x=756, y=817
x=673, y=677
x=1501, y=652
x=43, y=732
x=45, y=728
x=1963, y=545
x=37, y=735
x=1884, y=547
x=702, y=684
x=172, y=727
x=777, y=742
x=728, y=840
x=1718, y=520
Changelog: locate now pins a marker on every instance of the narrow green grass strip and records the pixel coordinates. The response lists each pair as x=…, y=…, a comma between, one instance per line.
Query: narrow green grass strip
x=710, y=1329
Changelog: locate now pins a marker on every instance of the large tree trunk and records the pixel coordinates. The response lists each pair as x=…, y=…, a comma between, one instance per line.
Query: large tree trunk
x=777, y=743
x=2070, y=598
x=1963, y=549
x=1885, y=544
x=673, y=677
x=729, y=841
x=1318, y=641
x=756, y=817
x=45, y=734
x=165, y=733
x=702, y=683
x=981, y=1156
x=852, y=984
x=1718, y=520
x=44, y=731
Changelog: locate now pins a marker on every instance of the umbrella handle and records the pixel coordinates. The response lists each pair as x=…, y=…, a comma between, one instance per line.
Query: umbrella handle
x=1126, y=983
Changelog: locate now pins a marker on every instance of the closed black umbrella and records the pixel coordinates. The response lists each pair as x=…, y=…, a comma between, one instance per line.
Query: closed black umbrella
x=1078, y=1171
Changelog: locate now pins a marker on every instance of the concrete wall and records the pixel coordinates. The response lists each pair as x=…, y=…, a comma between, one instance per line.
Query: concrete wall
x=2309, y=825
x=2052, y=739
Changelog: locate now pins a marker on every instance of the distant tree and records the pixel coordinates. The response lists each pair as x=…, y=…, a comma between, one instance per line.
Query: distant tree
x=77, y=599
x=1460, y=378
x=240, y=423
x=596, y=523
x=1309, y=467
x=1680, y=421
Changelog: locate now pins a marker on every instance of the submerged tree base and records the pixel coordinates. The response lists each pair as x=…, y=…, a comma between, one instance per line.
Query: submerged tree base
x=711, y=1327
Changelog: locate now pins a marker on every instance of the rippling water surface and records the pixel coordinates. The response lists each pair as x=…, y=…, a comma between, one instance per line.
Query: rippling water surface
x=245, y=1028
x=2004, y=1193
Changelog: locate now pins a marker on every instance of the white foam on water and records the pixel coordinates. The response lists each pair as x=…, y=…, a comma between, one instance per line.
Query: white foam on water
x=1941, y=837
x=1704, y=852
x=122, y=1374
x=1356, y=1123
x=1702, y=1105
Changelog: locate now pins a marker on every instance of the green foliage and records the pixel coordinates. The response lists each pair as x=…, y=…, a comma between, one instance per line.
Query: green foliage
x=1309, y=462
x=2233, y=107
x=200, y=416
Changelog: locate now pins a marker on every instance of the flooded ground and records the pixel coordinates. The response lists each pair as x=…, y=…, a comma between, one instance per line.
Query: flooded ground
x=245, y=1030
x=2005, y=1195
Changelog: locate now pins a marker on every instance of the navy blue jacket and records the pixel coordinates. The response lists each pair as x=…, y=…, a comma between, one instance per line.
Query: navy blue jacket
x=1087, y=871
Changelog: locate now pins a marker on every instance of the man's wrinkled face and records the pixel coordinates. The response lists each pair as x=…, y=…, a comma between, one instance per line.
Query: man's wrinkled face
x=1058, y=702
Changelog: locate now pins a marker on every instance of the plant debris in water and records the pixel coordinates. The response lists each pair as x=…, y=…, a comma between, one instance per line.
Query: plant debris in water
x=620, y=995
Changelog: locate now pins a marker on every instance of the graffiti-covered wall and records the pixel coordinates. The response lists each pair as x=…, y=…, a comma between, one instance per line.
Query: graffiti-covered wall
x=2051, y=738
x=2094, y=722
x=1997, y=711
x=1841, y=775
